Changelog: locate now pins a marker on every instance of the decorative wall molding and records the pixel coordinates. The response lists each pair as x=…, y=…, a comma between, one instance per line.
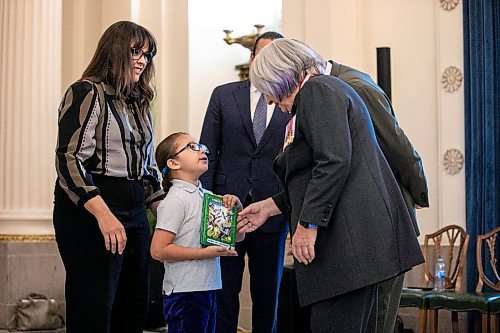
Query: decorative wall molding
x=451, y=79
x=453, y=161
x=449, y=4
x=27, y=238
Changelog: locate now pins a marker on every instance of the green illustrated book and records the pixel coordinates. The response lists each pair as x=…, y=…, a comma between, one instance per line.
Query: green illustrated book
x=218, y=224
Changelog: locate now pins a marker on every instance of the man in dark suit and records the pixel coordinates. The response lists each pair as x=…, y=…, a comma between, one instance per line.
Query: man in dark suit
x=405, y=163
x=244, y=135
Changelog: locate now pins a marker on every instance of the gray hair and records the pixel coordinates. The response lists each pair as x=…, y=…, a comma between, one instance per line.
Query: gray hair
x=280, y=67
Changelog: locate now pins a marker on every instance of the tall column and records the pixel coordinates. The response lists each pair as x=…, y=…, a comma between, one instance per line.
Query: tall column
x=30, y=92
x=172, y=113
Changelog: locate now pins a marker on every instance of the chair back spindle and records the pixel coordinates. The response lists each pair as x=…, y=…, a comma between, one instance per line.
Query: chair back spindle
x=487, y=244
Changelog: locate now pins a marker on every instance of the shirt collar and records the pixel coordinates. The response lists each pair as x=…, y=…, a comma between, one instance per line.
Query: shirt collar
x=335, y=68
x=186, y=186
x=253, y=89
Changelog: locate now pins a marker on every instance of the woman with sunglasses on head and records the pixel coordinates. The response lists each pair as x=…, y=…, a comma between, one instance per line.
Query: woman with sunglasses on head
x=106, y=177
x=192, y=272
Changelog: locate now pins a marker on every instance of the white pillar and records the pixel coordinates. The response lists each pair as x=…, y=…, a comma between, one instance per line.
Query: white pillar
x=173, y=78
x=30, y=92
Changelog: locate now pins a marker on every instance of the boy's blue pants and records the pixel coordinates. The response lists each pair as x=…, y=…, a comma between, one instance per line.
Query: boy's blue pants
x=190, y=312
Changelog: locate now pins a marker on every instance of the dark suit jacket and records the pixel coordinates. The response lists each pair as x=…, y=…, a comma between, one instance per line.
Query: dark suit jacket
x=336, y=176
x=236, y=163
x=404, y=161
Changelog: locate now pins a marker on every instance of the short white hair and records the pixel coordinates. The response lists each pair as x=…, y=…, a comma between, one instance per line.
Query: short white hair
x=280, y=67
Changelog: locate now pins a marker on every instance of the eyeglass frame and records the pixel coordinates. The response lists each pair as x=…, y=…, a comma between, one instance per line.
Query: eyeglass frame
x=199, y=146
x=148, y=56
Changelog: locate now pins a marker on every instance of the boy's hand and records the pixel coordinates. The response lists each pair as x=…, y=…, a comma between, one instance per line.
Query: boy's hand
x=240, y=235
x=219, y=251
x=229, y=200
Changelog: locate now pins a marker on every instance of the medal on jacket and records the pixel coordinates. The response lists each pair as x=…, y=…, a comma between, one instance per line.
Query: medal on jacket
x=290, y=132
x=290, y=127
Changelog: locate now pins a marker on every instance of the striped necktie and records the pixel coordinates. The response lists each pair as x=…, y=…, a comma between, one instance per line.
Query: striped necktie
x=259, y=119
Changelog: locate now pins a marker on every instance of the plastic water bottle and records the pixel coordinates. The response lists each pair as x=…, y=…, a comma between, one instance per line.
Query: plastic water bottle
x=439, y=282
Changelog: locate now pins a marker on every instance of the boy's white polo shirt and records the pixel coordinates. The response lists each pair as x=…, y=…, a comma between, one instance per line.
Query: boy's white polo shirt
x=180, y=212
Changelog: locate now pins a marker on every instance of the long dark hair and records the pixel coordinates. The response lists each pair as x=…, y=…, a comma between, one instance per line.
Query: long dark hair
x=112, y=61
x=165, y=150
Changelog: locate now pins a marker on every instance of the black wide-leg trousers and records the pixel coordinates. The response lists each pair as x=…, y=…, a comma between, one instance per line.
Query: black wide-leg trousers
x=105, y=292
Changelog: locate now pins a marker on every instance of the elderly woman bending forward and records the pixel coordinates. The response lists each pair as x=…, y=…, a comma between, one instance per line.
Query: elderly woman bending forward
x=350, y=226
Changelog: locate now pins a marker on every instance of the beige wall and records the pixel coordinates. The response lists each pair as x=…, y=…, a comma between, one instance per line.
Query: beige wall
x=424, y=40
x=211, y=60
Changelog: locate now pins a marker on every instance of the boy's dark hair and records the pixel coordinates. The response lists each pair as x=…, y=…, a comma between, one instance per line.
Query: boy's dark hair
x=165, y=150
x=272, y=35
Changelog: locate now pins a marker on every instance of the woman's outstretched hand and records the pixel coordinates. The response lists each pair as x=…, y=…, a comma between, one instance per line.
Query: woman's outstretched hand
x=256, y=214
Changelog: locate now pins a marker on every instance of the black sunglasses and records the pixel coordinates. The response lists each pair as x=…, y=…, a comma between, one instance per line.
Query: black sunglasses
x=138, y=53
x=193, y=146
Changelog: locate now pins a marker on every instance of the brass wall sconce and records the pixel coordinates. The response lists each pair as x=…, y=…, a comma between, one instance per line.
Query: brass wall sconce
x=246, y=41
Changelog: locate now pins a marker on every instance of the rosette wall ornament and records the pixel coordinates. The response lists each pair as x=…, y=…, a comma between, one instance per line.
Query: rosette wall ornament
x=453, y=161
x=449, y=4
x=451, y=79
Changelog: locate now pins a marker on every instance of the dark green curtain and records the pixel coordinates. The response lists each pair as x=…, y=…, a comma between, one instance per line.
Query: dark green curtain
x=482, y=123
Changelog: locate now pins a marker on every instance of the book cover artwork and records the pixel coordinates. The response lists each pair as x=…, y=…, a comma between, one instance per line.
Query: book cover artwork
x=218, y=224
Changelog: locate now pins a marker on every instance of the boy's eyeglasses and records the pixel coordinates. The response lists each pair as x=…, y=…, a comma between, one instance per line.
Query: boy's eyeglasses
x=193, y=146
x=138, y=53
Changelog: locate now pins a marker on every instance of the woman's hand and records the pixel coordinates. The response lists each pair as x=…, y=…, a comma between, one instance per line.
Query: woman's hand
x=303, y=241
x=218, y=251
x=112, y=230
x=254, y=215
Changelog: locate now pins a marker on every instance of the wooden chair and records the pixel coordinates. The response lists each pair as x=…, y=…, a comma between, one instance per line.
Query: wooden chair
x=487, y=243
x=452, y=299
x=453, y=235
x=454, y=260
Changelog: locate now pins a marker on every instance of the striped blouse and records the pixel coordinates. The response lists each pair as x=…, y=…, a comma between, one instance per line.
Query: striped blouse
x=116, y=142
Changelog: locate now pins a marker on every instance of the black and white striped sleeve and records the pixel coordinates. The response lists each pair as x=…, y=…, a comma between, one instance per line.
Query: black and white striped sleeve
x=78, y=117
